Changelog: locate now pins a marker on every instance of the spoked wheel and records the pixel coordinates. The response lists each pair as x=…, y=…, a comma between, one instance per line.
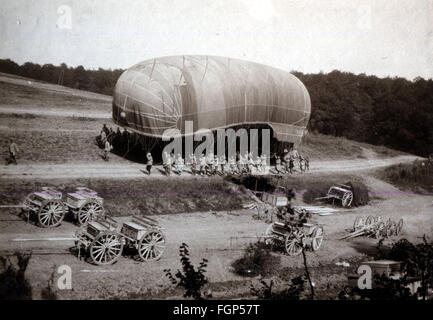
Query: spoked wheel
x=393, y=228
x=369, y=221
x=399, y=227
x=317, y=238
x=347, y=199
x=151, y=245
x=51, y=213
x=378, y=219
x=106, y=248
x=89, y=211
x=379, y=229
x=294, y=243
x=358, y=224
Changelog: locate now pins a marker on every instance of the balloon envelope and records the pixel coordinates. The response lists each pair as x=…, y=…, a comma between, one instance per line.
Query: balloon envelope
x=213, y=92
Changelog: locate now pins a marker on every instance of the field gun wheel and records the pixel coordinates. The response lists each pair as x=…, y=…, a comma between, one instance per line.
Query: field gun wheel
x=51, y=213
x=151, y=245
x=317, y=238
x=347, y=199
x=106, y=248
x=89, y=210
x=399, y=227
x=293, y=243
x=358, y=224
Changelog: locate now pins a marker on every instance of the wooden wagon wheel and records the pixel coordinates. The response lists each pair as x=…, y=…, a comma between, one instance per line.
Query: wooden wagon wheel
x=293, y=243
x=393, y=228
x=369, y=221
x=51, y=213
x=379, y=229
x=378, y=219
x=347, y=199
x=399, y=227
x=106, y=248
x=89, y=210
x=151, y=245
x=387, y=231
x=358, y=224
x=317, y=238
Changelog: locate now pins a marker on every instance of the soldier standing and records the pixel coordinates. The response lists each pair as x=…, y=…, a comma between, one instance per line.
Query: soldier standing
x=13, y=152
x=107, y=150
x=149, y=162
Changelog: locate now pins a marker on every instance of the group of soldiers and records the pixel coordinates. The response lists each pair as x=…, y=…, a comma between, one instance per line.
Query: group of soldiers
x=213, y=164
x=286, y=162
x=208, y=165
x=105, y=140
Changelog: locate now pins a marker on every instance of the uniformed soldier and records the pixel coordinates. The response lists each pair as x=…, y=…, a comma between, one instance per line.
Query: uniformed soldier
x=149, y=162
x=13, y=152
x=107, y=148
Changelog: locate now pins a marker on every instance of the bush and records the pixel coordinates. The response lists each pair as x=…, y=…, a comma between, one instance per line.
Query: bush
x=257, y=260
x=266, y=291
x=417, y=261
x=191, y=280
x=13, y=284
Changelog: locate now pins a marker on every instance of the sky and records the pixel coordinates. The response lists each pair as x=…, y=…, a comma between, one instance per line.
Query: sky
x=379, y=37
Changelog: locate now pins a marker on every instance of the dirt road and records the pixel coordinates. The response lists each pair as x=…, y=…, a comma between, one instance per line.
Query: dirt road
x=133, y=170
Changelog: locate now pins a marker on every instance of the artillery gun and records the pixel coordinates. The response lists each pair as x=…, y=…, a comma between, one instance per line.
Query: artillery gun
x=294, y=237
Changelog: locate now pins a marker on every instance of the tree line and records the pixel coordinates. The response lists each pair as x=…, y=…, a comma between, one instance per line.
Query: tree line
x=393, y=112
x=99, y=81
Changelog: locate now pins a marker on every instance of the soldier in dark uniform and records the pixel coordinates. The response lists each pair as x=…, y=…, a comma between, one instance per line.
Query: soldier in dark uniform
x=149, y=162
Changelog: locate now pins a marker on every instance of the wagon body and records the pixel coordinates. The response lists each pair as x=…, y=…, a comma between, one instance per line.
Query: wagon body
x=145, y=235
x=104, y=241
x=100, y=240
x=341, y=193
x=85, y=205
x=277, y=199
x=47, y=205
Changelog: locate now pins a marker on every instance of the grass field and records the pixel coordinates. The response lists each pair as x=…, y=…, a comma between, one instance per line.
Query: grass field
x=417, y=176
x=322, y=147
x=136, y=196
x=32, y=96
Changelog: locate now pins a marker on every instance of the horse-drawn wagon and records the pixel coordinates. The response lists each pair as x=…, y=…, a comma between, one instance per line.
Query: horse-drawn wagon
x=50, y=210
x=104, y=241
x=46, y=205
